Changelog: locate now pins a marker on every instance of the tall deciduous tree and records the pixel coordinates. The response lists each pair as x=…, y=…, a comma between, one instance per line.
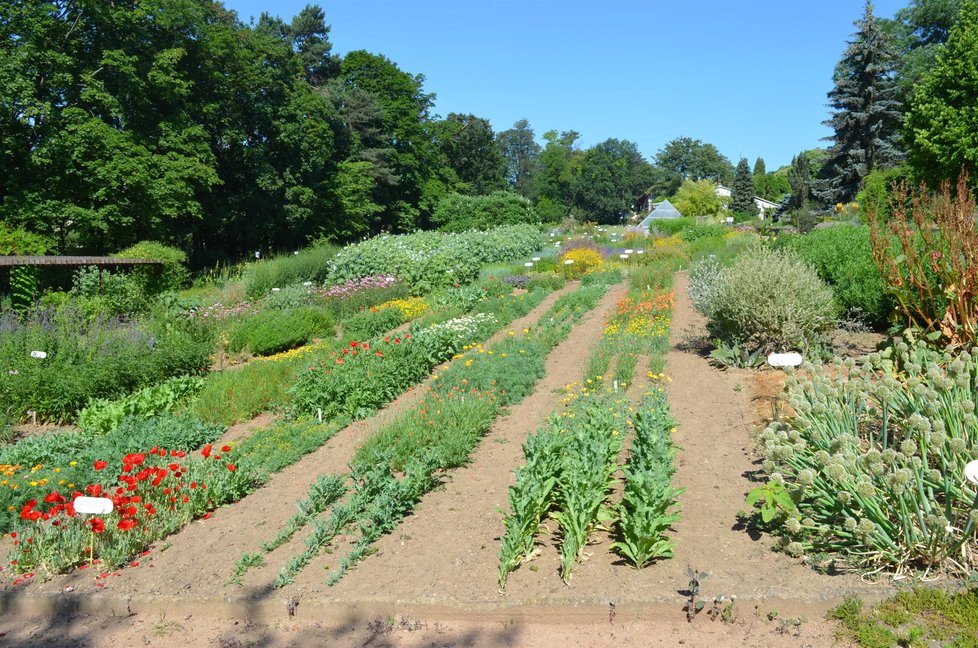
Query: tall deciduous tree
x=698, y=198
x=919, y=30
x=742, y=192
x=942, y=124
x=469, y=146
x=866, y=113
x=613, y=173
x=557, y=167
x=519, y=148
x=684, y=158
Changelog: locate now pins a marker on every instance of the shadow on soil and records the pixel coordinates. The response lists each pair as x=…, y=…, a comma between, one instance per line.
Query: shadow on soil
x=65, y=624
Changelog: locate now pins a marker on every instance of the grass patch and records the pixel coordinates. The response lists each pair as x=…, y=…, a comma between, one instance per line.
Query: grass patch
x=917, y=617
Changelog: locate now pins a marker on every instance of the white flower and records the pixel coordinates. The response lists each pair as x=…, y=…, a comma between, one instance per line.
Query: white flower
x=40, y=355
x=971, y=471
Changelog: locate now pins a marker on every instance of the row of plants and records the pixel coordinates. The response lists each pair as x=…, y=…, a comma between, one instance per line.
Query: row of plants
x=405, y=458
x=871, y=469
x=572, y=464
x=401, y=362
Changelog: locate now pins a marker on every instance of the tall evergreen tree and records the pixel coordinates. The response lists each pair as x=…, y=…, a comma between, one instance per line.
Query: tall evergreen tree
x=866, y=113
x=800, y=179
x=742, y=192
x=759, y=168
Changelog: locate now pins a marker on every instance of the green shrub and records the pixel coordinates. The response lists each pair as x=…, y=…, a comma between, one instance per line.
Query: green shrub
x=311, y=264
x=153, y=280
x=458, y=212
x=843, y=257
x=548, y=282
x=240, y=394
x=271, y=332
x=370, y=323
x=767, y=299
x=426, y=261
x=606, y=277
x=292, y=296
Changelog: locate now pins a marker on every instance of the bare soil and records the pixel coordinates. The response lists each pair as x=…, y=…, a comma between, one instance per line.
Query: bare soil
x=433, y=581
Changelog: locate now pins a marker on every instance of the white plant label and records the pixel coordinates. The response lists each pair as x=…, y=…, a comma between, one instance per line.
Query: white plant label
x=971, y=472
x=40, y=355
x=93, y=505
x=784, y=359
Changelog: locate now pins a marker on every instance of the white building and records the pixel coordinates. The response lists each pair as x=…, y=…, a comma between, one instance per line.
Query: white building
x=763, y=206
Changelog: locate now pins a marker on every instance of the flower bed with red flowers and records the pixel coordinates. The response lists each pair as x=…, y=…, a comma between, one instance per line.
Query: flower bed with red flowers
x=154, y=493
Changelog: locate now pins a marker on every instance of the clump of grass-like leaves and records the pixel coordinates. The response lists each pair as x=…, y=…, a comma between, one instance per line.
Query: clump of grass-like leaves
x=874, y=460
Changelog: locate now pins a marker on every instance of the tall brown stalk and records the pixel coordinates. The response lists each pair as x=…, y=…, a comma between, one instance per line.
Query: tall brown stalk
x=929, y=257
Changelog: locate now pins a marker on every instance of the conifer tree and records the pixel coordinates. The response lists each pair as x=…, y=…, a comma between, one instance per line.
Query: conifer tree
x=759, y=168
x=866, y=113
x=742, y=192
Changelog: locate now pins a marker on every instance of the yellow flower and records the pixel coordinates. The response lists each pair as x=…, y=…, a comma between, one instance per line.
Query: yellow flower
x=468, y=363
x=72, y=463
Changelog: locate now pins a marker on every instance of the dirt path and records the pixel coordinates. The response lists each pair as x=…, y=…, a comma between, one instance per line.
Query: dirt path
x=433, y=582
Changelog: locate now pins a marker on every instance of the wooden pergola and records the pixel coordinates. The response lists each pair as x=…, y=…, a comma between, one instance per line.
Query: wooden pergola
x=74, y=262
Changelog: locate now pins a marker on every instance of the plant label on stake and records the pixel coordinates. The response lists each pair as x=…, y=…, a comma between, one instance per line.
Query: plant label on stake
x=93, y=506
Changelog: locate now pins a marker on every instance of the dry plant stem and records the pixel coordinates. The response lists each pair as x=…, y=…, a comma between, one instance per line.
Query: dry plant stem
x=938, y=236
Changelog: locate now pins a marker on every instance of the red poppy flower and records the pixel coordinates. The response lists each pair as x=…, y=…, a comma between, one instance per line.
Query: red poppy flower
x=354, y=343
x=126, y=525
x=207, y=516
x=98, y=525
x=379, y=354
x=206, y=451
x=13, y=534
x=34, y=516
x=407, y=337
x=226, y=448
x=51, y=498
x=232, y=467
x=193, y=484
x=365, y=346
x=174, y=467
x=99, y=465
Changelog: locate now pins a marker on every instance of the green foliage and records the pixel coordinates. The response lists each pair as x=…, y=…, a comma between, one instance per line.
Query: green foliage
x=270, y=332
x=874, y=460
x=23, y=287
x=612, y=174
x=684, y=158
x=767, y=299
x=843, y=257
x=101, y=358
x=698, y=198
x=458, y=213
x=941, y=124
x=239, y=394
x=153, y=280
x=919, y=616
x=649, y=505
x=877, y=190
x=742, y=192
x=371, y=323
x=429, y=260
x=310, y=264
x=18, y=241
x=270, y=449
x=866, y=113
x=101, y=416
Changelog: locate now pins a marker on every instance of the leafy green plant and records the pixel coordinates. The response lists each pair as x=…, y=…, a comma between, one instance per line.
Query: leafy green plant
x=271, y=332
x=735, y=355
x=649, y=505
x=773, y=500
x=101, y=416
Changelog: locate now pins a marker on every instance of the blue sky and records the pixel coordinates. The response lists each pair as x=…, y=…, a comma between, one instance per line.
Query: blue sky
x=748, y=76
